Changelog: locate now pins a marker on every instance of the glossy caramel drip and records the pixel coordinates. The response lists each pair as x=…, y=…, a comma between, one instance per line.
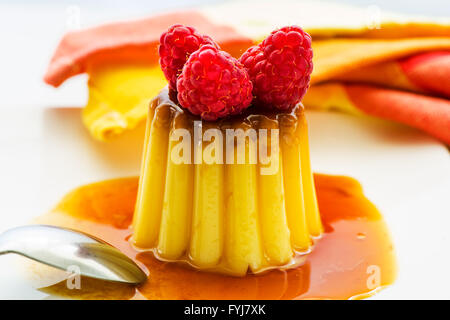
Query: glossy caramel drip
x=231, y=209
x=354, y=258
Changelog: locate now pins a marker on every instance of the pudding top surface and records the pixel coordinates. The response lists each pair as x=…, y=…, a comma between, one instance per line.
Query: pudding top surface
x=166, y=109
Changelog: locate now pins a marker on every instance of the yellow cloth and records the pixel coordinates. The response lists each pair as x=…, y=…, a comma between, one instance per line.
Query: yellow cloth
x=119, y=96
x=119, y=93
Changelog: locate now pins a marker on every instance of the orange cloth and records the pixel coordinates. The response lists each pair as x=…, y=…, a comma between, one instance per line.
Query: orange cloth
x=413, y=90
x=399, y=72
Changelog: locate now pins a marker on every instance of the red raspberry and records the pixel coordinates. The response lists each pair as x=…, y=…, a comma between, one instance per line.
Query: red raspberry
x=213, y=84
x=176, y=44
x=280, y=67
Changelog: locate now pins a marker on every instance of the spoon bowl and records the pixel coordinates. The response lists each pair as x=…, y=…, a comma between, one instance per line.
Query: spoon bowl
x=67, y=249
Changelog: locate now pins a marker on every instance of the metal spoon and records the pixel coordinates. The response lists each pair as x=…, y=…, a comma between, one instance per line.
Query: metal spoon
x=64, y=248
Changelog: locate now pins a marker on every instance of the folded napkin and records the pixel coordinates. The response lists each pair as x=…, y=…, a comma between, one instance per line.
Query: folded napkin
x=366, y=62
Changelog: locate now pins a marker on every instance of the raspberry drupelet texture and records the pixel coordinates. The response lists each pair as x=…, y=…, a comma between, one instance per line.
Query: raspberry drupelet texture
x=176, y=44
x=280, y=67
x=213, y=84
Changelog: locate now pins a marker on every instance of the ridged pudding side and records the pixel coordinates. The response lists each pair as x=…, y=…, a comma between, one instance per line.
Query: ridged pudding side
x=232, y=215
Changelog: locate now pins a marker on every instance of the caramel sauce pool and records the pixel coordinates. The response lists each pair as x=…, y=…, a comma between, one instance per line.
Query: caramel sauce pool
x=354, y=258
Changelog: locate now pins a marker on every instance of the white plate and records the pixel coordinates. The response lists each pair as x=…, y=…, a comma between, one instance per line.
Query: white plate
x=47, y=152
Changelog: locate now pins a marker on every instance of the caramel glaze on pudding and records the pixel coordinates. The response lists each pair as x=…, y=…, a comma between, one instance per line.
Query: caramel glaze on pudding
x=234, y=205
x=353, y=259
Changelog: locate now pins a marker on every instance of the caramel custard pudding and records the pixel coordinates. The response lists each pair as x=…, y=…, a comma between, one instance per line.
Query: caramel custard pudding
x=210, y=204
x=226, y=205
x=352, y=258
